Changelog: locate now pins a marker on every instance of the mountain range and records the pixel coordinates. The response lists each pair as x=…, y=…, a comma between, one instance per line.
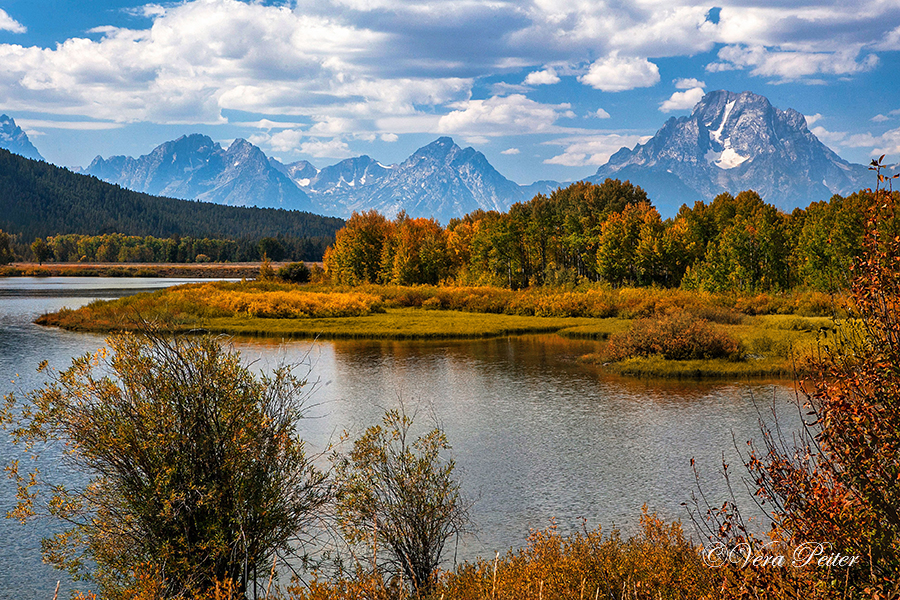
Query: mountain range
x=730, y=142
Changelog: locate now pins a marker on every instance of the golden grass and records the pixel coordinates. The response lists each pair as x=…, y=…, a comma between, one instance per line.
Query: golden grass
x=770, y=344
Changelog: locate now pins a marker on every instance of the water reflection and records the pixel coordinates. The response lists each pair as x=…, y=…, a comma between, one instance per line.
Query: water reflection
x=535, y=433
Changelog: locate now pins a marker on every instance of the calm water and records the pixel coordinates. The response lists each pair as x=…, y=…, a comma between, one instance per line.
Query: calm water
x=536, y=435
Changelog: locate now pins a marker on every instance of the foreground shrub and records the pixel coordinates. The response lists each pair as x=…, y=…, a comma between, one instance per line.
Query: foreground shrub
x=678, y=336
x=659, y=563
x=197, y=475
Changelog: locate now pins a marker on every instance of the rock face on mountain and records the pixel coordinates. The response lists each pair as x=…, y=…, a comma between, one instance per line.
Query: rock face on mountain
x=15, y=140
x=440, y=180
x=196, y=167
x=733, y=142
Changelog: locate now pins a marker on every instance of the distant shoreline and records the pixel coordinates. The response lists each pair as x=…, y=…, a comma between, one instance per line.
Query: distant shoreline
x=241, y=270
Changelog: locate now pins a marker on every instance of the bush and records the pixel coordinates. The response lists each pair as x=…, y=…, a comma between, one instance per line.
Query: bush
x=399, y=494
x=197, y=476
x=295, y=272
x=675, y=337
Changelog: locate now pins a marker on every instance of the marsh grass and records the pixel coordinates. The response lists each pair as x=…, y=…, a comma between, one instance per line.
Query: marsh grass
x=770, y=344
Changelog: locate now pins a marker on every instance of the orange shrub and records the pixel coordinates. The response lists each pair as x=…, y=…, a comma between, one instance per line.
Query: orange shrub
x=678, y=336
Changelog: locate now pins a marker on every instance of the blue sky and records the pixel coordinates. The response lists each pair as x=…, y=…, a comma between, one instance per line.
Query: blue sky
x=547, y=89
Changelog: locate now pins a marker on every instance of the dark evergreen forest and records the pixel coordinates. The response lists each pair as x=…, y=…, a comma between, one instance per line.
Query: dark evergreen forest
x=38, y=199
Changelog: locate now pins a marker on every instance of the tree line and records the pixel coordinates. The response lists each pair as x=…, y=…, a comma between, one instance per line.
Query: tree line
x=118, y=248
x=612, y=233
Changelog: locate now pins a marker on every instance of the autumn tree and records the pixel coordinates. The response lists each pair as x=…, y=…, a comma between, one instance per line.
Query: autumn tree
x=41, y=250
x=356, y=255
x=196, y=472
x=416, y=252
x=398, y=500
x=838, y=483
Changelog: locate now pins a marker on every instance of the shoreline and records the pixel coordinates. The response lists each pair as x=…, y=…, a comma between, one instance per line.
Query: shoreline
x=212, y=270
x=772, y=345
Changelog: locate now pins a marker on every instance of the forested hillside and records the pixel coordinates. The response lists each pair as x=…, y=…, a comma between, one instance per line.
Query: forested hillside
x=38, y=199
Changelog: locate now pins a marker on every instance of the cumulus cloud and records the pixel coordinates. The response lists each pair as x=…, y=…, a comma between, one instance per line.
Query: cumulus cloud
x=682, y=100
x=389, y=137
x=617, y=74
x=880, y=119
x=886, y=143
x=810, y=119
x=686, y=84
x=287, y=140
x=7, y=23
x=595, y=150
x=790, y=65
x=546, y=77
x=333, y=148
x=401, y=66
x=502, y=115
x=601, y=114
x=511, y=151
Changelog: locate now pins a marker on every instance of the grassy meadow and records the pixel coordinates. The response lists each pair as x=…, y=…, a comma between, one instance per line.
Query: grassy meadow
x=646, y=332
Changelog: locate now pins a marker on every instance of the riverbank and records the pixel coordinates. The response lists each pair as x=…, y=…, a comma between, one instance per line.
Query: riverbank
x=766, y=345
x=243, y=270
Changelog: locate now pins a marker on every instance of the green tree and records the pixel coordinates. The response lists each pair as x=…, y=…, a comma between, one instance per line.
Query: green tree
x=400, y=494
x=6, y=252
x=272, y=248
x=41, y=250
x=196, y=472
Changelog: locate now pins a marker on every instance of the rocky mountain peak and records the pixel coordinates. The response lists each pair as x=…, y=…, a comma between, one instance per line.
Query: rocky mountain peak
x=14, y=139
x=731, y=142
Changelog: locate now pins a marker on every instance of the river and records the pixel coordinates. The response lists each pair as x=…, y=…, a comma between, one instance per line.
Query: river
x=536, y=435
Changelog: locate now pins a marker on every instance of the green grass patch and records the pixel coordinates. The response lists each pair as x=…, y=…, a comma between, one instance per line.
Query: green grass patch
x=394, y=323
x=597, y=329
x=657, y=367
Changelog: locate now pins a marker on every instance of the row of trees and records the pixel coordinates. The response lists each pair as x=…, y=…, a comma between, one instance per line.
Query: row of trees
x=118, y=248
x=611, y=232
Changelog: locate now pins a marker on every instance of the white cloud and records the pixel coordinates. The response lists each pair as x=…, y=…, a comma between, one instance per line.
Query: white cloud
x=75, y=125
x=586, y=151
x=389, y=137
x=399, y=66
x=810, y=119
x=790, y=65
x=287, y=140
x=682, y=100
x=7, y=23
x=501, y=115
x=880, y=119
x=546, y=77
x=333, y=148
x=511, y=151
x=831, y=137
x=616, y=74
x=686, y=84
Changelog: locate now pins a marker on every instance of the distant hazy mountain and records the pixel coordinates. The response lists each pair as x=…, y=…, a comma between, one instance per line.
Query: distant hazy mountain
x=12, y=138
x=196, y=167
x=733, y=142
x=440, y=180
x=730, y=142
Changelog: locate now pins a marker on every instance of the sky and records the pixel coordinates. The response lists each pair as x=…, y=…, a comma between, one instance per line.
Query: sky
x=546, y=89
